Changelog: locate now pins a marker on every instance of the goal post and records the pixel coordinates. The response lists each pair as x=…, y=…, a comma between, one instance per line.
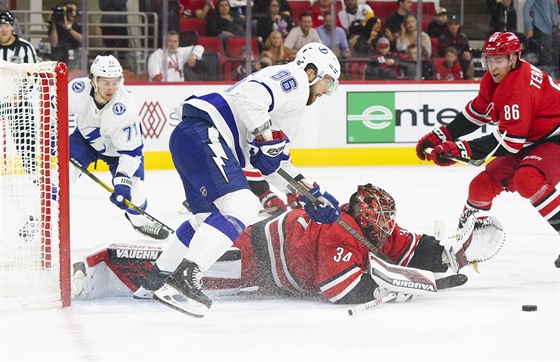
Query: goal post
x=34, y=199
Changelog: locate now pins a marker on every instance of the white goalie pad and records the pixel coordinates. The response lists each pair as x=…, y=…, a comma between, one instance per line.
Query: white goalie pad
x=479, y=239
x=116, y=270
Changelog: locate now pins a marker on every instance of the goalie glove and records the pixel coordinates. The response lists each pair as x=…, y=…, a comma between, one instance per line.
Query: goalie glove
x=267, y=155
x=432, y=139
x=479, y=239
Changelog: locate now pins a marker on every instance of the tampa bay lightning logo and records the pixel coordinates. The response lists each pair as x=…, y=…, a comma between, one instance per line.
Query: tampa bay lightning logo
x=78, y=86
x=323, y=50
x=119, y=108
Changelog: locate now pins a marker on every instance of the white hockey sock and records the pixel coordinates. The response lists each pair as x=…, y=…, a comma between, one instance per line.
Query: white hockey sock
x=172, y=255
x=207, y=245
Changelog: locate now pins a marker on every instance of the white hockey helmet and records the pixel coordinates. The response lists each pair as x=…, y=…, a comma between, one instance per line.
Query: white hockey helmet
x=323, y=58
x=106, y=66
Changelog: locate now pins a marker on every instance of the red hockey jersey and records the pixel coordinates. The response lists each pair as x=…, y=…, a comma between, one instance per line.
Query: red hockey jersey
x=525, y=104
x=295, y=254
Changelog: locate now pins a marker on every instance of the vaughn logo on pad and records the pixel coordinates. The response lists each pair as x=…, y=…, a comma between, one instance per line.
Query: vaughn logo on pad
x=370, y=117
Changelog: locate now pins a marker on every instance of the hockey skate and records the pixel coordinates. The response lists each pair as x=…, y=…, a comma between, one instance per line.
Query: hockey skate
x=152, y=229
x=154, y=279
x=480, y=239
x=182, y=291
x=29, y=229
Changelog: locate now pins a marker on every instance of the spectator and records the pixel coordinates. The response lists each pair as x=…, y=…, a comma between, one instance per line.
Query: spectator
x=303, y=33
x=318, y=10
x=274, y=20
x=264, y=60
x=110, y=32
x=65, y=35
x=542, y=26
x=383, y=63
x=341, y=48
x=454, y=36
x=354, y=17
x=196, y=8
x=224, y=22
x=449, y=69
x=438, y=23
x=408, y=36
x=407, y=66
x=260, y=8
x=177, y=57
x=275, y=49
x=393, y=24
x=365, y=43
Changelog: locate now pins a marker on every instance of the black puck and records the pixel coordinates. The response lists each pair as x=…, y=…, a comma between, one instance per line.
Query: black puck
x=529, y=308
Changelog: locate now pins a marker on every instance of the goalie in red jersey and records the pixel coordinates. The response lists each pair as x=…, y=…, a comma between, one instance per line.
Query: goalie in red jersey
x=525, y=103
x=290, y=254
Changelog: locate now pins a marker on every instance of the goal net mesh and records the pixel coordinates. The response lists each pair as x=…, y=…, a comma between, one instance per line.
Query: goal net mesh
x=33, y=250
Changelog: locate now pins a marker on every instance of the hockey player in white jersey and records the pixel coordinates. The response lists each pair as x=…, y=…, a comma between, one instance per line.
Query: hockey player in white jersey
x=108, y=129
x=222, y=132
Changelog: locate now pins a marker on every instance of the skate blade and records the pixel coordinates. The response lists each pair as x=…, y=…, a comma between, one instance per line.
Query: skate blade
x=172, y=298
x=143, y=294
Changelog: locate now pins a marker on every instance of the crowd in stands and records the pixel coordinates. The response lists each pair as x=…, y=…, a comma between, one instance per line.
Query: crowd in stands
x=373, y=39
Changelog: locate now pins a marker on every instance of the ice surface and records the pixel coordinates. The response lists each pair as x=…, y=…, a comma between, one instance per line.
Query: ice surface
x=481, y=321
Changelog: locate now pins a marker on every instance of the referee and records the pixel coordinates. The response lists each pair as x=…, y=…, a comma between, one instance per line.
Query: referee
x=14, y=49
x=20, y=116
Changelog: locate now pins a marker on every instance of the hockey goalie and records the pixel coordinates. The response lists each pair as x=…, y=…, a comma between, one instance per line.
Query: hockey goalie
x=289, y=254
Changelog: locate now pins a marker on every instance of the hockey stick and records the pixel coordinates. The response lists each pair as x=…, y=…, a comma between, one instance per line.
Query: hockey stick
x=352, y=311
x=111, y=191
x=394, y=277
x=469, y=161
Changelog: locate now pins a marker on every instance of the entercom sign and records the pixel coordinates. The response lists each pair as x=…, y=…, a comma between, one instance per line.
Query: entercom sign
x=400, y=117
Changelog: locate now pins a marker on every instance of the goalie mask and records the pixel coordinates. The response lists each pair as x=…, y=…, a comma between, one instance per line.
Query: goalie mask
x=374, y=210
x=323, y=59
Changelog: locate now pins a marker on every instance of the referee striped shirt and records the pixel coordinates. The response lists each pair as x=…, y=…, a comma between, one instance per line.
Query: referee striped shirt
x=20, y=51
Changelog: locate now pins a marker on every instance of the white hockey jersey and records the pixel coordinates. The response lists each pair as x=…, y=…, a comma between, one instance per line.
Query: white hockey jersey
x=175, y=62
x=277, y=94
x=113, y=130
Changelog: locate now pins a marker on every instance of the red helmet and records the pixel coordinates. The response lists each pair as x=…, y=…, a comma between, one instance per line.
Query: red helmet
x=502, y=44
x=374, y=210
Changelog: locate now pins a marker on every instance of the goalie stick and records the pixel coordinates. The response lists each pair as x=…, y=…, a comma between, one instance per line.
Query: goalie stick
x=111, y=190
x=384, y=271
x=469, y=161
x=352, y=311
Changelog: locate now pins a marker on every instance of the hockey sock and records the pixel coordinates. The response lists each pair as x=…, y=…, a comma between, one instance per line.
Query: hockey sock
x=549, y=207
x=177, y=247
x=212, y=238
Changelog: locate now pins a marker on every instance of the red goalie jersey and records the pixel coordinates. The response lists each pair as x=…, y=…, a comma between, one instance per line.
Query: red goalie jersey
x=526, y=105
x=292, y=253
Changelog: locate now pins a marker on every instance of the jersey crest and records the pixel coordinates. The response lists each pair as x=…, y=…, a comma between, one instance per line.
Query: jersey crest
x=119, y=108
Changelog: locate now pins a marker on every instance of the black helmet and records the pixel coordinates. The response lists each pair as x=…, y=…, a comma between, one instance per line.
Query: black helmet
x=6, y=17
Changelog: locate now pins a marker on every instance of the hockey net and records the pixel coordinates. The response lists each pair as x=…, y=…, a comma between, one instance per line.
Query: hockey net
x=34, y=215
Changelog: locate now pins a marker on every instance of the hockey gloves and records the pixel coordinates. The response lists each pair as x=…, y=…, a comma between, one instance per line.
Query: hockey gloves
x=324, y=210
x=122, y=185
x=271, y=202
x=266, y=155
x=440, y=154
x=293, y=202
x=432, y=139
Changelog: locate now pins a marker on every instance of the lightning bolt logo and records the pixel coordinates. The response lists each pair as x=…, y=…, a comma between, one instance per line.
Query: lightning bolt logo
x=217, y=150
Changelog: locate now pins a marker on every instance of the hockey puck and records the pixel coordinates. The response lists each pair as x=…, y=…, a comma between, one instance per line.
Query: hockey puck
x=529, y=308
